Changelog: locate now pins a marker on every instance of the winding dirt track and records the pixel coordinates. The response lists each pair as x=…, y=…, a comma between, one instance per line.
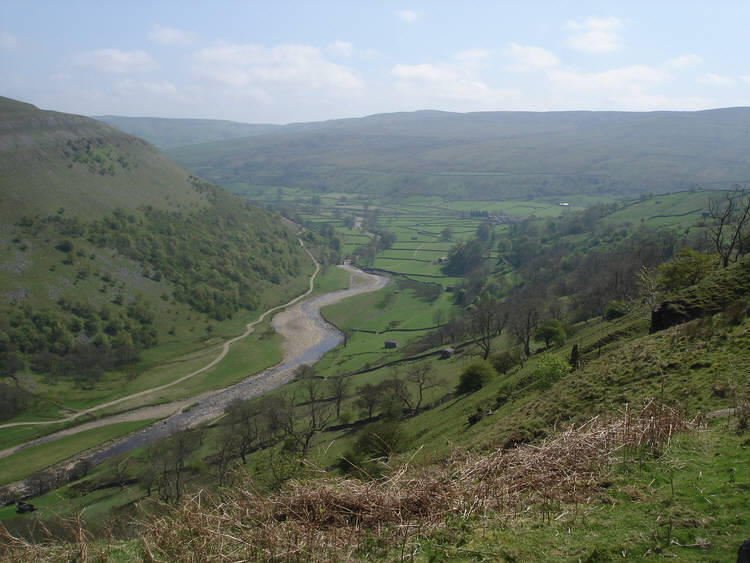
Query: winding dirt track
x=306, y=338
x=224, y=351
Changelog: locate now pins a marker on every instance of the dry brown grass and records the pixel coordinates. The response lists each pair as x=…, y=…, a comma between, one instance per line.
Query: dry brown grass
x=337, y=519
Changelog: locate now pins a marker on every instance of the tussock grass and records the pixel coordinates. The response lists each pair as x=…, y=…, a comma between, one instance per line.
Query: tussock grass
x=338, y=519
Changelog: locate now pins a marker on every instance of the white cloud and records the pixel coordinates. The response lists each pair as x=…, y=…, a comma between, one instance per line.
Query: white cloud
x=684, y=61
x=635, y=76
x=424, y=72
x=161, y=88
x=340, y=48
x=171, y=36
x=745, y=79
x=532, y=58
x=8, y=40
x=472, y=55
x=595, y=35
x=299, y=67
x=115, y=60
x=628, y=87
x=408, y=16
x=713, y=79
x=449, y=85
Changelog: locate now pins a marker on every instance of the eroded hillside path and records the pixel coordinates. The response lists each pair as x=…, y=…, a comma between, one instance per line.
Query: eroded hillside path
x=306, y=338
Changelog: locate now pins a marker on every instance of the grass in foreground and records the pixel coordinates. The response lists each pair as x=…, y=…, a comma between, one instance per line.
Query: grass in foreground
x=626, y=488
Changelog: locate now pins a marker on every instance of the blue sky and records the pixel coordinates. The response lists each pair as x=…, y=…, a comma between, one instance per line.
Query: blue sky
x=281, y=62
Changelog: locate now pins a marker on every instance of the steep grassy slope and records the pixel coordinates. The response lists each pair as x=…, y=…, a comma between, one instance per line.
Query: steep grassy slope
x=490, y=154
x=50, y=160
x=169, y=133
x=632, y=484
x=107, y=249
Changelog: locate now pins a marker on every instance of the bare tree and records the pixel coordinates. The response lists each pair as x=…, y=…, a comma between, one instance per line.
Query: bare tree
x=314, y=417
x=165, y=462
x=369, y=396
x=241, y=433
x=729, y=230
x=338, y=386
x=437, y=317
x=394, y=396
x=120, y=467
x=421, y=375
x=526, y=316
x=181, y=446
x=486, y=322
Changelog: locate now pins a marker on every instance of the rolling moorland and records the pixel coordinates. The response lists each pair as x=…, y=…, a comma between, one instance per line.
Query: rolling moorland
x=168, y=133
x=488, y=155
x=530, y=394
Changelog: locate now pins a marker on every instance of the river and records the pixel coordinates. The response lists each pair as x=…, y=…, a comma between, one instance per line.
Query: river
x=306, y=316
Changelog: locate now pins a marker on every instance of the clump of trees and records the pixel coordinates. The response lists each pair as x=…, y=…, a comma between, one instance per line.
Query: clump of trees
x=219, y=258
x=79, y=341
x=464, y=257
x=166, y=463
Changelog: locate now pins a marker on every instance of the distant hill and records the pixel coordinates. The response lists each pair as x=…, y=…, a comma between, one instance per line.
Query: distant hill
x=169, y=133
x=490, y=154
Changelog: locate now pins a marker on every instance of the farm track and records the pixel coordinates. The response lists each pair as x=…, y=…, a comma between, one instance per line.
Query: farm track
x=306, y=337
x=224, y=351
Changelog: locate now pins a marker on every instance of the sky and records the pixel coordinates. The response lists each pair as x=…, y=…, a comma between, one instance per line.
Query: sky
x=282, y=61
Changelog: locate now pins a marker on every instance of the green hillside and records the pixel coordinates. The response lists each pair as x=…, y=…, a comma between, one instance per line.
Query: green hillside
x=540, y=381
x=115, y=262
x=614, y=459
x=51, y=160
x=489, y=155
x=169, y=133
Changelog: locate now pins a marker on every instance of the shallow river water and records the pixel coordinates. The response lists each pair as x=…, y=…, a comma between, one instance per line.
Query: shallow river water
x=211, y=404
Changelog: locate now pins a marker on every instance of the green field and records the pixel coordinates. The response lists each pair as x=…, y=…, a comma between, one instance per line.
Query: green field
x=35, y=458
x=677, y=209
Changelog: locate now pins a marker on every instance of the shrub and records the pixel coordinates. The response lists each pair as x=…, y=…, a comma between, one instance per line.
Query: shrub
x=615, y=310
x=702, y=327
x=380, y=439
x=504, y=361
x=549, y=369
x=474, y=377
x=64, y=246
x=375, y=441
